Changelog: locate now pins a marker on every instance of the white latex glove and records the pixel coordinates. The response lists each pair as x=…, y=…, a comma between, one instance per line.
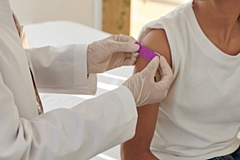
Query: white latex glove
x=143, y=87
x=112, y=52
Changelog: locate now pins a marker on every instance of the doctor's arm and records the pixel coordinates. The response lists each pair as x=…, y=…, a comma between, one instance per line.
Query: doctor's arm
x=72, y=68
x=78, y=133
x=62, y=69
x=139, y=146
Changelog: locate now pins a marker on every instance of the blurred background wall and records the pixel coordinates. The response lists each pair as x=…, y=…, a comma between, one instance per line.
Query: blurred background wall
x=112, y=16
x=35, y=11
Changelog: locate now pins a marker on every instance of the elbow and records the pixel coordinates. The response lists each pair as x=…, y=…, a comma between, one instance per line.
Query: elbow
x=129, y=152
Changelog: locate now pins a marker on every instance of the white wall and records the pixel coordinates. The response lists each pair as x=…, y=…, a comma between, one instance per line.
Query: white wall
x=34, y=11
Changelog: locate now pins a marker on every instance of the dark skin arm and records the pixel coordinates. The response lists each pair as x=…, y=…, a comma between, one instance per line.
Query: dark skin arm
x=138, y=148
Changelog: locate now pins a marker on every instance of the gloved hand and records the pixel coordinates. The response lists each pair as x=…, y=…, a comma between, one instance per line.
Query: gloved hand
x=112, y=52
x=143, y=87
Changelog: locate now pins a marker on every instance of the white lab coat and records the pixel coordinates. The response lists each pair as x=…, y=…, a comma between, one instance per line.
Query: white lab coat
x=63, y=134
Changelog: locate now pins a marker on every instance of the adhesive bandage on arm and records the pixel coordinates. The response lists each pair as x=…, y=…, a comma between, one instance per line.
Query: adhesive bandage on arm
x=145, y=52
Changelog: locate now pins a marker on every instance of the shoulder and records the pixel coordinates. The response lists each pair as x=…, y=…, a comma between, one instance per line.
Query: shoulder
x=164, y=33
x=156, y=40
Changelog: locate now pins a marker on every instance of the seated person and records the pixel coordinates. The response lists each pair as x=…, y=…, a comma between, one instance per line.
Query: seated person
x=199, y=119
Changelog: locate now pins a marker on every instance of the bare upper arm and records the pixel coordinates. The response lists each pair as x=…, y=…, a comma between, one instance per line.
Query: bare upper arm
x=155, y=40
x=139, y=145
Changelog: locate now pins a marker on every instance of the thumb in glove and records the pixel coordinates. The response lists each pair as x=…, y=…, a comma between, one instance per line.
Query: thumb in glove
x=143, y=87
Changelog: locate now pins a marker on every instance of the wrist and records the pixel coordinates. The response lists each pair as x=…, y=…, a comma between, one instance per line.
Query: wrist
x=126, y=85
x=90, y=65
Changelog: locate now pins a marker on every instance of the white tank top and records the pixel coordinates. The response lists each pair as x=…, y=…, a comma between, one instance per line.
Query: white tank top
x=200, y=118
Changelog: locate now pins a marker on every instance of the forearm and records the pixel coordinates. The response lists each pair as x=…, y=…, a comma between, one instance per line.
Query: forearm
x=72, y=133
x=62, y=69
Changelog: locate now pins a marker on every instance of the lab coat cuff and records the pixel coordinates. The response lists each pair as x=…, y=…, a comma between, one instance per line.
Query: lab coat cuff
x=87, y=80
x=127, y=98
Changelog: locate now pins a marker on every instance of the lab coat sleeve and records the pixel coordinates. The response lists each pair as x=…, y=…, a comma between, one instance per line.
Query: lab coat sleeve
x=66, y=134
x=62, y=70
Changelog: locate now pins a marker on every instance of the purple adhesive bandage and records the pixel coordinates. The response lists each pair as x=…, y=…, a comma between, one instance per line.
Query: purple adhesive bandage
x=145, y=52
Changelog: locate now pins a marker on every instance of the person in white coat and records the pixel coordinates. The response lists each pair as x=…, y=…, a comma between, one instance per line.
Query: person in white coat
x=86, y=129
